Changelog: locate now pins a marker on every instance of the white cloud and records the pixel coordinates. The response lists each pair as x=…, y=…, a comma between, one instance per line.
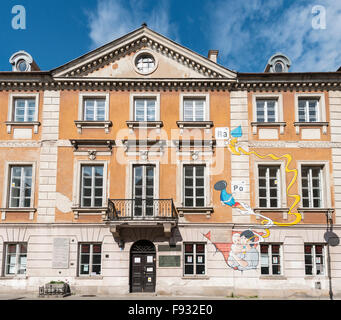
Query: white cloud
x=253, y=30
x=114, y=18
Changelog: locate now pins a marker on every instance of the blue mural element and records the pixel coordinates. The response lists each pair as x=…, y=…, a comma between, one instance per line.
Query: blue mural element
x=237, y=133
x=225, y=197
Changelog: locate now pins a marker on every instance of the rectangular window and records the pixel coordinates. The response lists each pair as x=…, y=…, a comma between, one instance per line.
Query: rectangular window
x=90, y=257
x=92, y=186
x=270, y=255
x=194, y=109
x=269, y=186
x=194, y=186
x=24, y=109
x=194, y=258
x=314, y=259
x=94, y=109
x=20, y=187
x=312, y=187
x=145, y=109
x=266, y=110
x=16, y=257
x=308, y=110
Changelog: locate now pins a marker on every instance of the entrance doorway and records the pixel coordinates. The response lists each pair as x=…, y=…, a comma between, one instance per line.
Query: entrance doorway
x=142, y=267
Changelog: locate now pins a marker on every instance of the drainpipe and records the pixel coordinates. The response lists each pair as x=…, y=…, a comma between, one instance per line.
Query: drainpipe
x=329, y=220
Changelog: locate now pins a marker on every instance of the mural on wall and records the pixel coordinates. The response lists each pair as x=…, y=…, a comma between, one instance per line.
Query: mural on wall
x=242, y=253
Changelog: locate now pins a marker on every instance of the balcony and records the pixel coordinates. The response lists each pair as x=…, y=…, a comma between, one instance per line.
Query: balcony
x=141, y=213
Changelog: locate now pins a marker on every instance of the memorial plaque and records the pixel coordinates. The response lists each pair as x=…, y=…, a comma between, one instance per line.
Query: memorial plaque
x=169, y=261
x=61, y=250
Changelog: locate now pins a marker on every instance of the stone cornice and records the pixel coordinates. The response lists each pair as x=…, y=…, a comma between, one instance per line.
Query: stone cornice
x=98, y=84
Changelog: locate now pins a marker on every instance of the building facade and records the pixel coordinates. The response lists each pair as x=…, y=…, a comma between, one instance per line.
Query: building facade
x=143, y=166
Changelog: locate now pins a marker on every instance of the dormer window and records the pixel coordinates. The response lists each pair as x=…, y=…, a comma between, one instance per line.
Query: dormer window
x=22, y=65
x=22, y=61
x=278, y=63
x=144, y=62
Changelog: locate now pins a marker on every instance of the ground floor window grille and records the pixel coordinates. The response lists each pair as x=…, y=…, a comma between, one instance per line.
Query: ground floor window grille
x=16, y=257
x=270, y=259
x=90, y=255
x=314, y=259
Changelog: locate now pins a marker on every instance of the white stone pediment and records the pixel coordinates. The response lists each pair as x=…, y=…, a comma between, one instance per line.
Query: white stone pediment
x=116, y=60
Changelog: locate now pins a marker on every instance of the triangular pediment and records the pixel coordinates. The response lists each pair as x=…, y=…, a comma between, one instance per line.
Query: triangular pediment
x=117, y=60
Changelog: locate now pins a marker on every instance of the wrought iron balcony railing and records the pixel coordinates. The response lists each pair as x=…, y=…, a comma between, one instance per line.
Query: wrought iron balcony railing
x=141, y=209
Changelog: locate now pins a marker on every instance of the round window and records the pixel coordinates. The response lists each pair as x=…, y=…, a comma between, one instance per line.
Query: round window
x=22, y=65
x=145, y=63
x=279, y=67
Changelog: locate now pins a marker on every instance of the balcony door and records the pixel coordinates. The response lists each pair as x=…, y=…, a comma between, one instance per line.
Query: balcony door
x=143, y=191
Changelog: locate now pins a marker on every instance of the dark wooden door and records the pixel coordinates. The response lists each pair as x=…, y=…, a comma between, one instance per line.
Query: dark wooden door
x=143, y=273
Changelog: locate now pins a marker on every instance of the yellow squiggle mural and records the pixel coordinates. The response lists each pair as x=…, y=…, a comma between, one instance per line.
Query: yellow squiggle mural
x=236, y=150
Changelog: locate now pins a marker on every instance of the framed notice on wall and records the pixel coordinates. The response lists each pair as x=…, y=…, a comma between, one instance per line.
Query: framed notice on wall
x=169, y=261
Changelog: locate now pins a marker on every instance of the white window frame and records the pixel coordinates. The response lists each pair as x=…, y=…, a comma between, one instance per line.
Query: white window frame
x=17, y=253
x=326, y=178
x=194, y=259
x=306, y=109
x=310, y=187
x=22, y=190
x=266, y=109
x=270, y=259
x=314, y=259
x=280, y=177
x=181, y=184
x=134, y=96
x=321, y=111
x=7, y=181
x=145, y=109
x=90, y=260
x=93, y=187
x=78, y=176
x=195, y=96
x=278, y=110
x=92, y=95
x=11, y=110
x=144, y=52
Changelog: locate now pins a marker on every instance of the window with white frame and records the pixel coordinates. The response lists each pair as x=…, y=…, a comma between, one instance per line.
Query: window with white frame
x=145, y=63
x=20, y=189
x=194, y=259
x=308, y=110
x=92, y=185
x=94, y=109
x=194, y=185
x=314, y=259
x=145, y=109
x=194, y=109
x=270, y=255
x=90, y=257
x=269, y=186
x=15, y=258
x=266, y=110
x=24, y=109
x=312, y=182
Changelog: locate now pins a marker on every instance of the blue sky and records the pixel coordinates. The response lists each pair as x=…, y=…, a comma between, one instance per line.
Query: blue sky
x=246, y=32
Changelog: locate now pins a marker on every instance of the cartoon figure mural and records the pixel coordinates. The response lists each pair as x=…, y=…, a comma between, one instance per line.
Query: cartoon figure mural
x=242, y=253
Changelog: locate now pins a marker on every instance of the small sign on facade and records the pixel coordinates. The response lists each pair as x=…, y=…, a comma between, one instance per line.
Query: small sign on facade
x=238, y=186
x=222, y=133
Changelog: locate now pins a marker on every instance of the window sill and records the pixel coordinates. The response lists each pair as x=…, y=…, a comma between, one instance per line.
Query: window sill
x=144, y=124
x=195, y=210
x=93, y=124
x=195, y=124
x=93, y=211
x=316, y=277
x=327, y=211
x=11, y=124
x=255, y=125
x=89, y=277
x=195, y=277
x=4, y=211
x=324, y=126
x=272, y=277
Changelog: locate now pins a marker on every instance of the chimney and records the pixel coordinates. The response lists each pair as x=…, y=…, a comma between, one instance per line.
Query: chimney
x=213, y=55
